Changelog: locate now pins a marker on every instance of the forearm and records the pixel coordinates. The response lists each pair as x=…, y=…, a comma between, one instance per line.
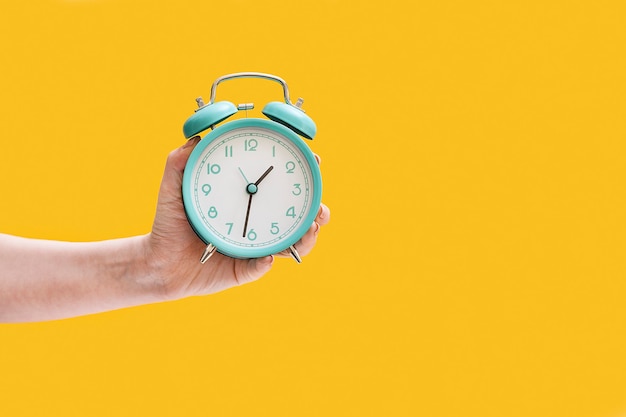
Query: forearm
x=47, y=280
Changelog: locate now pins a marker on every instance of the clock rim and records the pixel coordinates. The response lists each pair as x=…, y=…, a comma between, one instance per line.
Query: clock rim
x=205, y=234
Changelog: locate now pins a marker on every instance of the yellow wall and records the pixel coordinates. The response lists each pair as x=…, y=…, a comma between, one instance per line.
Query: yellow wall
x=474, y=162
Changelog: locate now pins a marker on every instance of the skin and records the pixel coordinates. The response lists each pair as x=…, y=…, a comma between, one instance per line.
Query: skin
x=47, y=280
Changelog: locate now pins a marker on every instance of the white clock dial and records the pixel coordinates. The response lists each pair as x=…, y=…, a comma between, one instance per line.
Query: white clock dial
x=252, y=187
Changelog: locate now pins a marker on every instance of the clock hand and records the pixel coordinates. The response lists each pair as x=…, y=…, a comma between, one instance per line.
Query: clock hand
x=267, y=171
x=243, y=175
x=245, y=225
x=252, y=189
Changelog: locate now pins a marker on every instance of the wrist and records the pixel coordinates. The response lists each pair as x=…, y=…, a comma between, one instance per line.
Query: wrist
x=149, y=275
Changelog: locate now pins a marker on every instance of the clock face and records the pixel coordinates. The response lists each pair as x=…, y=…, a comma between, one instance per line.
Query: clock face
x=251, y=188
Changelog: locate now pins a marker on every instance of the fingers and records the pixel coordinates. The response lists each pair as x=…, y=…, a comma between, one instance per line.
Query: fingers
x=253, y=269
x=323, y=215
x=308, y=241
x=306, y=244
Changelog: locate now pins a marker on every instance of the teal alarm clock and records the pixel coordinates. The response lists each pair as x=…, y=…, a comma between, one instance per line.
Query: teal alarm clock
x=251, y=187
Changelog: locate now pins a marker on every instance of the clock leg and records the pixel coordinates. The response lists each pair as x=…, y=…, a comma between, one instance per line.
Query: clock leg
x=294, y=254
x=208, y=252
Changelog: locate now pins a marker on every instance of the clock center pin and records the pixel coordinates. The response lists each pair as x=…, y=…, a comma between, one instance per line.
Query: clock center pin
x=252, y=189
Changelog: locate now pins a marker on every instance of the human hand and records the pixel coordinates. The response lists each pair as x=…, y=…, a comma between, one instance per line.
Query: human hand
x=173, y=249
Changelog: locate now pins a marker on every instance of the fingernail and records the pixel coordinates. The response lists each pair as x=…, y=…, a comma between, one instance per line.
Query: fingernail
x=191, y=142
x=317, y=228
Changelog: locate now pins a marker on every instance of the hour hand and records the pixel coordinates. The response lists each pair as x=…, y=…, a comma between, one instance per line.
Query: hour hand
x=267, y=171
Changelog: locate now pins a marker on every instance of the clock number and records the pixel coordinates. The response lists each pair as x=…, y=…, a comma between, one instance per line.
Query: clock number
x=212, y=212
x=297, y=188
x=206, y=189
x=228, y=151
x=230, y=227
x=291, y=212
x=252, y=234
x=274, y=229
x=251, y=144
x=290, y=165
x=213, y=169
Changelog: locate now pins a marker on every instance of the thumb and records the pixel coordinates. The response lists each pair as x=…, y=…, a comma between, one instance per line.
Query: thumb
x=174, y=167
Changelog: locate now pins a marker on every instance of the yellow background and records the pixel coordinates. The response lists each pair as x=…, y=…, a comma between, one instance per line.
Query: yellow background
x=473, y=157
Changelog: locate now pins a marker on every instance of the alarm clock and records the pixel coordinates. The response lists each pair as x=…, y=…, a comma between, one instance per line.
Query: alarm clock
x=251, y=187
